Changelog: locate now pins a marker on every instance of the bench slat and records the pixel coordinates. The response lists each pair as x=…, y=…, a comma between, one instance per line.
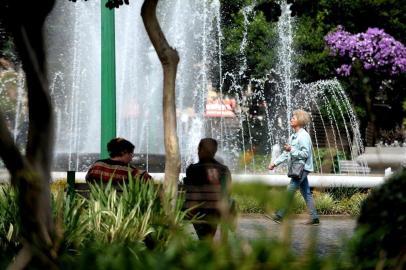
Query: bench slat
x=82, y=186
x=201, y=189
x=203, y=196
x=202, y=204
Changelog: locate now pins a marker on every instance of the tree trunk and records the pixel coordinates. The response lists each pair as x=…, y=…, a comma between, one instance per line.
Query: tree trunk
x=169, y=59
x=30, y=174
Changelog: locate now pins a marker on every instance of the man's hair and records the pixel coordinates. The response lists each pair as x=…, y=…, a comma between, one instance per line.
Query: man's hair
x=303, y=117
x=207, y=148
x=118, y=146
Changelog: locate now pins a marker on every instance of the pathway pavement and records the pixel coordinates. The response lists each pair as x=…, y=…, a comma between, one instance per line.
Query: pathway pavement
x=329, y=237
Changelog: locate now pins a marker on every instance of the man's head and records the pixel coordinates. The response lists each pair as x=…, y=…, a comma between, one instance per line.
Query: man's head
x=207, y=148
x=119, y=147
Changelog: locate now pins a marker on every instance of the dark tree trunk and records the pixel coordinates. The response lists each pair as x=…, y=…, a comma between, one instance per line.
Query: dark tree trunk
x=30, y=174
x=169, y=59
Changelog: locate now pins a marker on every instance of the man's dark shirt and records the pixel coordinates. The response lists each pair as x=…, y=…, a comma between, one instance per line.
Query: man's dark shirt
x=207, y=172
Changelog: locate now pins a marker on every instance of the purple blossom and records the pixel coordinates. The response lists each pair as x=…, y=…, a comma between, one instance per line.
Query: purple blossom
x=377, y=50
x=344, y=70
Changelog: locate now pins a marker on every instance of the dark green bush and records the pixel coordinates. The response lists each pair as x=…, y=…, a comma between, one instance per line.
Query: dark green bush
x=381, y=228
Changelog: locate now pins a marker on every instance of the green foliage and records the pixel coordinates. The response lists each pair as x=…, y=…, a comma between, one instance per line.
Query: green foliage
x=98, y=232
x=298, y=205
x=314, y=19
x=249, y=205
x=353, y=205
x=260, y=39
x=135, y=215
x=317, y=18
x=259, y=198
x=251, y=198
x=9, y=219
x=340, y=193
x=328, y=159
x=324, y=203
x=313, y=58
x=236, y=254
x=381, y=227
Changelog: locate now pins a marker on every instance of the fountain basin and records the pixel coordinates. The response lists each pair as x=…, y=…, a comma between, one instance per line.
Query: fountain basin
x=380, y=158
x=316, y=180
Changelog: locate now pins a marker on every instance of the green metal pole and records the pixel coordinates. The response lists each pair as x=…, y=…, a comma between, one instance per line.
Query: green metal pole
x=108, y=78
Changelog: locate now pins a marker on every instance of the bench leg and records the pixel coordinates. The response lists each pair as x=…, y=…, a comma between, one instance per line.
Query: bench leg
x=70, y=179
x=205, y=230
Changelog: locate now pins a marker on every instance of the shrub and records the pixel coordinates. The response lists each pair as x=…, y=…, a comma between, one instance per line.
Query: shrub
x=135, y=215
x=324, y=203
x=9, y=223
x=381, y=227
x=182, y=253
x=299, y=205
x=355, y=203
x=340, y=193
x=248, y=205
x=252, y=197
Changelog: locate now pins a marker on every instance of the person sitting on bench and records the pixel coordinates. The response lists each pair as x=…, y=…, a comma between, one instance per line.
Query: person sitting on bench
x=206, y=172
x=117, y=168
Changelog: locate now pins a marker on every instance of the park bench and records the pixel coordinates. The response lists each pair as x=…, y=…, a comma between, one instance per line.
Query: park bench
x=352, y=167
x=82, y=188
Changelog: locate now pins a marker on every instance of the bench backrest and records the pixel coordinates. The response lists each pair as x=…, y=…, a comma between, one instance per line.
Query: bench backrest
x=83, y=189
x=202, y=196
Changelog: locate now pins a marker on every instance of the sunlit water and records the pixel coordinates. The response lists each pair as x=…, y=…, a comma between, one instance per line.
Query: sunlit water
x=194, y=29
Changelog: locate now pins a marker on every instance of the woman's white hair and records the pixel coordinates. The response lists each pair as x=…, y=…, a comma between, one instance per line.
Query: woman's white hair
x=303, y=117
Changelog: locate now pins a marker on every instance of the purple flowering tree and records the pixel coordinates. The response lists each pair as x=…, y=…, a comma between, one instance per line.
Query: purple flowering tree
x=373, y=69
x=376, y=51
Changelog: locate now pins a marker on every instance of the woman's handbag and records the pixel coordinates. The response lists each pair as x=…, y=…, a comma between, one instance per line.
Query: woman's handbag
x=295, y=170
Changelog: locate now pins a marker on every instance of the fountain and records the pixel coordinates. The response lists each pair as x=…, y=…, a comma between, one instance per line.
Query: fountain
x=194, y=29
x=334, y=129
x=191, y=27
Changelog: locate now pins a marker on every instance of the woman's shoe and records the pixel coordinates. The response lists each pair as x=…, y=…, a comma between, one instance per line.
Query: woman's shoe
x=275, y=218
x=314, y=222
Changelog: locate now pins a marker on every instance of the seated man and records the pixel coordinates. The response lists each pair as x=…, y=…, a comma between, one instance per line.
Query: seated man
x=117, y=167
x=208, y=171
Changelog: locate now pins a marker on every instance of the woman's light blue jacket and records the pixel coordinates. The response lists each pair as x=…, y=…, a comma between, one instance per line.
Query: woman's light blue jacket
x=302, y=150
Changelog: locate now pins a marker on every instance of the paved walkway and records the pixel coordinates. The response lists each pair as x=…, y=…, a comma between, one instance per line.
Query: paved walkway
x=329, y=237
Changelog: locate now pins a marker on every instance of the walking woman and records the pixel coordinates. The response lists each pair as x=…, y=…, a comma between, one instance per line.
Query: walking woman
x=299, y=149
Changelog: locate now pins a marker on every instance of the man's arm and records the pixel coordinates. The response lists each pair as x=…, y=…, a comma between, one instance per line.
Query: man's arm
x=228, y=181
x=187, y=180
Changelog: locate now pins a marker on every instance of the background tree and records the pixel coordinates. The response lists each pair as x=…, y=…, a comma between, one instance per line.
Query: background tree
x=374, y=53
x=260, y=36
x=372, y=94
x=30, y=173
x=314, y=20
